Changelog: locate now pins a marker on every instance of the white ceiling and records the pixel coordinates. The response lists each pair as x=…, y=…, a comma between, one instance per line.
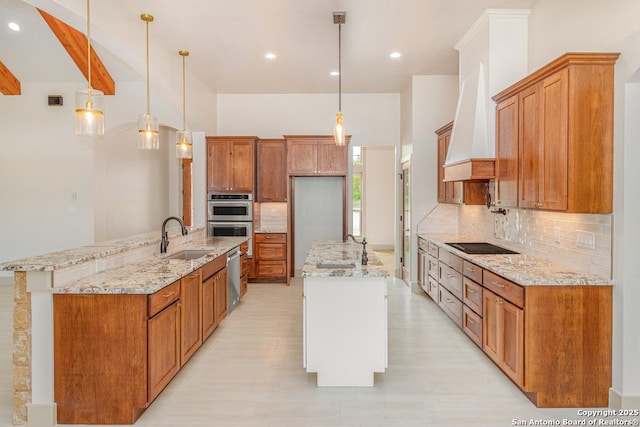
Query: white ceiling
x=227, y=40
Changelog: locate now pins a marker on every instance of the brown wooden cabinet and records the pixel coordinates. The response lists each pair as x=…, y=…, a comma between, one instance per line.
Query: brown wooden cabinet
x=507, y=119
x=564, y=132
x=230, y=164
x=316, y=155
x=503, y=342
x=271, y=170
x=271, y=257
x=213, y=273
x=190, y=315
x=459, y=192
x=220, y=295
x=244, y=268
x=164, y=348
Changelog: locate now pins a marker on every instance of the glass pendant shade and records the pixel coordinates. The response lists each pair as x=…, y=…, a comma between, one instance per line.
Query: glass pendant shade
x=184, y=144
x=148, y=132
x=338, y=130
x=89, y=115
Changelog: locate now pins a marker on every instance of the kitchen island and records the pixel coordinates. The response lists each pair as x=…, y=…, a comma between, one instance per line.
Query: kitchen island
x=116, y=318
x=345, y=315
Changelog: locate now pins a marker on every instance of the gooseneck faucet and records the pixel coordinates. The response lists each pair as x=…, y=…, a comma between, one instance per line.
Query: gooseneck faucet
x=365, y=258
x=165, y=239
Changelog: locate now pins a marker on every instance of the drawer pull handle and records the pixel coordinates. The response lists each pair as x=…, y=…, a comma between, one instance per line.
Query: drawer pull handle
x=471, y=269
x=168, y=294
x=472, y=291
x=498, y=301
x=450, y=276
x=450, y=302
x=472, y=321
x=500, y=285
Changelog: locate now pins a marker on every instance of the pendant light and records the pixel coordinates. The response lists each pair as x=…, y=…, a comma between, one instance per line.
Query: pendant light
x=89, y=115
x=184, y=144
x=338, y=131
x=148, y=127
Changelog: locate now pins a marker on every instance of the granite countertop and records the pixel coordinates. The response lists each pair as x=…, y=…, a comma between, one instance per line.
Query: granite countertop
x=333, y=251
x=522, y=269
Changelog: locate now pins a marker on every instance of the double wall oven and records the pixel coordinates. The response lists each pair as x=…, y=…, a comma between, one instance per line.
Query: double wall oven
x=230, y=215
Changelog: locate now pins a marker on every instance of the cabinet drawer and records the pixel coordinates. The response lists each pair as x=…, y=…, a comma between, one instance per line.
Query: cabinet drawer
x=271, y=251
x=451, y=305
x=472, y=325
x=433, y=250
x=271, y=237
x=432, y=266
x=271, y=268
x=472, y=295
x=211, y=268
x=472, y=271
x=244, y=247
x=423, y=244
x=432, y=289
x=453, y=261
x=504, y=288
x=450, y=279
x=161, y=299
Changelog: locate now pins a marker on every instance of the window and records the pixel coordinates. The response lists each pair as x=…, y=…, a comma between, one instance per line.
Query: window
x=358, y=191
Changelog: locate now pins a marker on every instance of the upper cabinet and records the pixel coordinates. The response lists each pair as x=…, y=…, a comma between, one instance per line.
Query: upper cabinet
x=467, y=192
x=272, y=170
x=316, y=155
x=230, y=164
x=560, y=118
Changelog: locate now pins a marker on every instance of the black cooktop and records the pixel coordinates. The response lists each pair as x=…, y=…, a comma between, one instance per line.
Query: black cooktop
x=482, y=248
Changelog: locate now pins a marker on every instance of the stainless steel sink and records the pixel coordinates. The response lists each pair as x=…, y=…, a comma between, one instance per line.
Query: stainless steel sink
x=188, y=254
x=336, y=264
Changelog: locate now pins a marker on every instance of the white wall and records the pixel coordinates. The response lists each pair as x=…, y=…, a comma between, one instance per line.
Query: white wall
x=371, y=119
x=608, y=26
x=379, y=196
x=433, y=106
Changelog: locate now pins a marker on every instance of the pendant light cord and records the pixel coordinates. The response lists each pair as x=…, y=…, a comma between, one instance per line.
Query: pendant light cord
x=148, y=96
x=184, y=98
x=89, y=51
x=340, y=67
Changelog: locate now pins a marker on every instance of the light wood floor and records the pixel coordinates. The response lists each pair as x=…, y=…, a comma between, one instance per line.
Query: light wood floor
x=249, y=373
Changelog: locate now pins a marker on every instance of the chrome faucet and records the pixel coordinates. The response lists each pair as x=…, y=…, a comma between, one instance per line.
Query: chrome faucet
x=165, y=240
x=365, y=258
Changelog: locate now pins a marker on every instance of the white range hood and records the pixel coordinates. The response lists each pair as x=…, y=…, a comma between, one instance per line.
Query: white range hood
x=493, y=55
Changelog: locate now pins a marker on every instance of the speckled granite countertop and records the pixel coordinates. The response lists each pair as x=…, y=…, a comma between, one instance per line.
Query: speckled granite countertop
x=332, y=251
x=153, y=274
x=522, y=269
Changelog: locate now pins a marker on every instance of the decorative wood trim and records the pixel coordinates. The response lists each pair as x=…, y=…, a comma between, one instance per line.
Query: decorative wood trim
x=75, y=43
x=570, y=58
x=470, y=170
x=9, y=84
x=187, y=195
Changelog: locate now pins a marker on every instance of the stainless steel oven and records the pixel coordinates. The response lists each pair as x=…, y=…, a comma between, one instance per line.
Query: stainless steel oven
x=232, y=229
x=230, y=207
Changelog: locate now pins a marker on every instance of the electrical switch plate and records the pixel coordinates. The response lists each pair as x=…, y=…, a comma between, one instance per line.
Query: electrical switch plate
x=586, y=239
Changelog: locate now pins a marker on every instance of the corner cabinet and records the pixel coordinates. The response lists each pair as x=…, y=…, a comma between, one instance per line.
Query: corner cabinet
x=231, y=163
x=459, y=192
x=561, y=120
x=316, y=156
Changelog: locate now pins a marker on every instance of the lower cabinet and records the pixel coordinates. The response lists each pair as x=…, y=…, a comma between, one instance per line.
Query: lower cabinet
x=190, y=315
x=503, y=335
x=164, y=348
x=214, y=295
x=271, y=257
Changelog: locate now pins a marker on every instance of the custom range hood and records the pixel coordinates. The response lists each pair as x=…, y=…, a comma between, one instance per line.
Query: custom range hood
x=492, y=56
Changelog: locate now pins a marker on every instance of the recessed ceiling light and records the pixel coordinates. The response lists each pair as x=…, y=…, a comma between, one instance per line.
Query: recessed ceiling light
x=270, y=55
x=395, y=55
x=14, y=26
x=334, y=73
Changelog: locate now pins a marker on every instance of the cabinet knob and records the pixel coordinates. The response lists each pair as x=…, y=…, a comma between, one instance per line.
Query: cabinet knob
x=168, y=294
x=498, y=301
x=500, y=285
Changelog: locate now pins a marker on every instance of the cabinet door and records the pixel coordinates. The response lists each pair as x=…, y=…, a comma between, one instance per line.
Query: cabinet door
x=220, y=295
x=507, y=153
x=190, y=315
x=242, y=166
x=332, y=159
x=553, y=119
x=272, y=171
x=302, y=156
x=530, y=148
x=490, y=325
x=422, y=270
x=443, y=142
x=208, y=315
x=218, y=166
x=164, y=349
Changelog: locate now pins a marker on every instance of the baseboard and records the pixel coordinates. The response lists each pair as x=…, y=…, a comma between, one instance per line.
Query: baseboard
x=618, y=401
x=41, y=415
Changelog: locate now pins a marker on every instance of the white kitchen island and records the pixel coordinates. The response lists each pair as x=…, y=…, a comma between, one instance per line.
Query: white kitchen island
x=345, y=315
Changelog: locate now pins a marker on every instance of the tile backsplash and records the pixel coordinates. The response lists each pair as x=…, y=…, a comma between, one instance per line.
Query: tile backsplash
x=580, y=241
x=271, y=216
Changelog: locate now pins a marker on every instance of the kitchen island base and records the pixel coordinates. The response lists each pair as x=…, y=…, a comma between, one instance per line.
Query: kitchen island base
x=345, y=329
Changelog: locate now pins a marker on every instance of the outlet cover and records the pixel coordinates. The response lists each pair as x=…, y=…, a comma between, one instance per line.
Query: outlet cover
x=586, y=239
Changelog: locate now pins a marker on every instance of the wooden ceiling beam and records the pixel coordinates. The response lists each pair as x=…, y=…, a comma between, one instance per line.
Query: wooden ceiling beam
x=9, y=84
x=75, y=43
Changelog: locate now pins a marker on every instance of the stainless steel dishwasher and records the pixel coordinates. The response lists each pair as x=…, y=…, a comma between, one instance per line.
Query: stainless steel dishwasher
x=233, y=279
